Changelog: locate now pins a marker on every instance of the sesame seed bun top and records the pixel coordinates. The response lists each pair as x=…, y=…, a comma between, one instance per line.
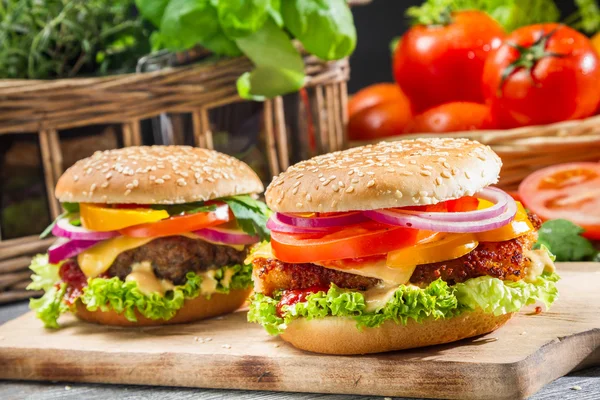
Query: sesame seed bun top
x=156, y=175
x=388, y=174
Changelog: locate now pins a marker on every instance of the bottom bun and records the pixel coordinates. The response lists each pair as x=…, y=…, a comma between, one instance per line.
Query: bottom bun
x=338, y=335
x=193, y=310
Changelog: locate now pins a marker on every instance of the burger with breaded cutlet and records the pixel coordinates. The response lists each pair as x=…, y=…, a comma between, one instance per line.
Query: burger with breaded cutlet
x=150, y=236
x=395, y=246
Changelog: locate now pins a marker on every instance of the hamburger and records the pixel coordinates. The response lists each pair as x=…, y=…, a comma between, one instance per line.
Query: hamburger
x=150, y=236
x=395, y=246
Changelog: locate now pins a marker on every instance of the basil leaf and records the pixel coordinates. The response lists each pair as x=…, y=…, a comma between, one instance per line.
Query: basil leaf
x=187, y=208
x=563, y=239
x=70, y=209
x=240, y=18
x=325, y=28
x=279, y=66
x=251, y=215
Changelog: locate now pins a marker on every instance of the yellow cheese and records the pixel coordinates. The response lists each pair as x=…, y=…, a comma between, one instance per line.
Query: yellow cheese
x=143, y=275
x=377, y=297
x=227, y=275
x=378, y=269
x=191, y=235
x=97, y=259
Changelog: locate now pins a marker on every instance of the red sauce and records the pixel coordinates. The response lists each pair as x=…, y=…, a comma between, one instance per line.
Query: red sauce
x=291, y=297
x=538, y=310
x=75, y=279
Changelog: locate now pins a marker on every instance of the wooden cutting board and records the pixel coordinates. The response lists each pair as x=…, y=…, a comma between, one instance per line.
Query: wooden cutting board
x=513, y=362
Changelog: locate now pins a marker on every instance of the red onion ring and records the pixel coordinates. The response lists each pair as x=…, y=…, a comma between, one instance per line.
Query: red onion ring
x=496, y=196
x=63, y=228
x=274, y=224
x=65, y=248
x=322, y=222
x=433, y=224
x=227, y=236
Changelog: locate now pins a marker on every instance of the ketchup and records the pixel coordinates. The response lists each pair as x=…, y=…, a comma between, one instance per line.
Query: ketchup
x=291, y=297
x=75, y=279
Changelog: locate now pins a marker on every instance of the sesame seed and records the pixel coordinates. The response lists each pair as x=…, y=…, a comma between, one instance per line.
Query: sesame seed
x=211, y=180
x=350, y=172
x=445, y=174
x=423, y=193
x=104, y=185
x=181, y=182
x=354, y=180
x=341, y=184
x=299, y=205
x=127, y=192
x=75, y=178
x=454, y=171
x=129, y=186
x=398, y=194
x=425, y=173
x=390, y=170
x=406, y=173
x=360, y=173
x=298, y=176
x=226, y=346
x=370, y=173
x=296, y=184
x=109, y=175
x=166, y=177
x=350, y=189
x=413, y=162
x=438, y=181
x=467, y=175
x=160, y=181
x=322, y=179
x=445, y=164
x=327, y=182
x=371, y=183
x=308, y=197
x=152, y=177
x=295, y=190
x=427, y=167
x=335, y=187
x=93, y=187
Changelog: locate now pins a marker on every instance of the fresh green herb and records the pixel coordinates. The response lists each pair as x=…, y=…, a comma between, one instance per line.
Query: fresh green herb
x=563, y=239
x=259, y=29
x=325, y=28
x=187, y=208
x=587, y=16
x=394, y=44
x=438, y=300
x=251, y=215
x=279, y=66
x=71, y=209
x=511, y=14
x=45, y=39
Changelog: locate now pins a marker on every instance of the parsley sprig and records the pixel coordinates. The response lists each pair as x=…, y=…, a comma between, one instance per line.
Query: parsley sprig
x=250, y=214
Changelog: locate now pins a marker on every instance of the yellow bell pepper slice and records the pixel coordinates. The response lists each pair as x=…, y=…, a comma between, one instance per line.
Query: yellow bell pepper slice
x=449, y=247
x=519, y=226
x=103, y=219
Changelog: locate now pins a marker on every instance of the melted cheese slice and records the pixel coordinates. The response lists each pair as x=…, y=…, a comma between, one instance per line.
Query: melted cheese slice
x=143, y=275
x=97, y=259
x=540, y=263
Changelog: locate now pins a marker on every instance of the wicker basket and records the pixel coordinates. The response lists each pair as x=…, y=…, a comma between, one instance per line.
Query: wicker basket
x=45, y=108
x=524, y=150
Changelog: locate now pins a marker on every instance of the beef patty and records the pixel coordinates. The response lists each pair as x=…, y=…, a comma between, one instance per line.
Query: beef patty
x=504, y=260
x=173, y=257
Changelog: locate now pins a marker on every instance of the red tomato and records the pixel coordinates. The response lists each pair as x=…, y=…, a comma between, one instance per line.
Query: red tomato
x=443, y=63
x=467, y=203
x=554, y=77
x=569, y=191
x=382, y=120
x=179, y=224
x=452, y=117
x=363, y=240
x=374, y=95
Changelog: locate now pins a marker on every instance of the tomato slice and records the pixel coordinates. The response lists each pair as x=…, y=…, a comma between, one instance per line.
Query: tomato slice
x=180, y=224
x=569, y=191
x=363, y=240
x=466, y=203
x=102, y=219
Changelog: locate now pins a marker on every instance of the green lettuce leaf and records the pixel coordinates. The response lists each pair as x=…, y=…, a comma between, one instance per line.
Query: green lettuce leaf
x=438, y=300
x=123, y=297
x=152, y=10
x=325, y=28
x=50, y=306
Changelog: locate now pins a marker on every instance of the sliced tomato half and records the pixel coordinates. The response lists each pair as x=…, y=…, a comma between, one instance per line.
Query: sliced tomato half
x=180, y=224
x=569, y=191
x=363, y=240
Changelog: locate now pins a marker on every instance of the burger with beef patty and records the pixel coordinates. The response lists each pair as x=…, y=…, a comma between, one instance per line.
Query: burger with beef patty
x=150, y=236
x=395, y=246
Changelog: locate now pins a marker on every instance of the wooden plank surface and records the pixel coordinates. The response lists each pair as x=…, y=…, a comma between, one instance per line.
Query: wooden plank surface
x=513, y=362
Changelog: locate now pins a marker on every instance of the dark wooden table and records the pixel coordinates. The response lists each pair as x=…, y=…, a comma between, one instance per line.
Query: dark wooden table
x=581, y=385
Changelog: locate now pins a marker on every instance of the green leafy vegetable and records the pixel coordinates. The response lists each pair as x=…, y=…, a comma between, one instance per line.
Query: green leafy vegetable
x=587, y=16
x=240, y=18
x=121, y=296
x=325, y=28
x=511, y=14
x=71, y=209
x=279, y=66
x=438, y=300
x=152, y=10
x=251, y=215
x=187, y=208
x=563, y=238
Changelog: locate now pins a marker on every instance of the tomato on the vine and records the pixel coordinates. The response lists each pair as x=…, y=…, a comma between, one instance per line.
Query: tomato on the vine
x=452, y=117
x=442, y=63
x=380, y=121
x=542, y=74
x=374, y=95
